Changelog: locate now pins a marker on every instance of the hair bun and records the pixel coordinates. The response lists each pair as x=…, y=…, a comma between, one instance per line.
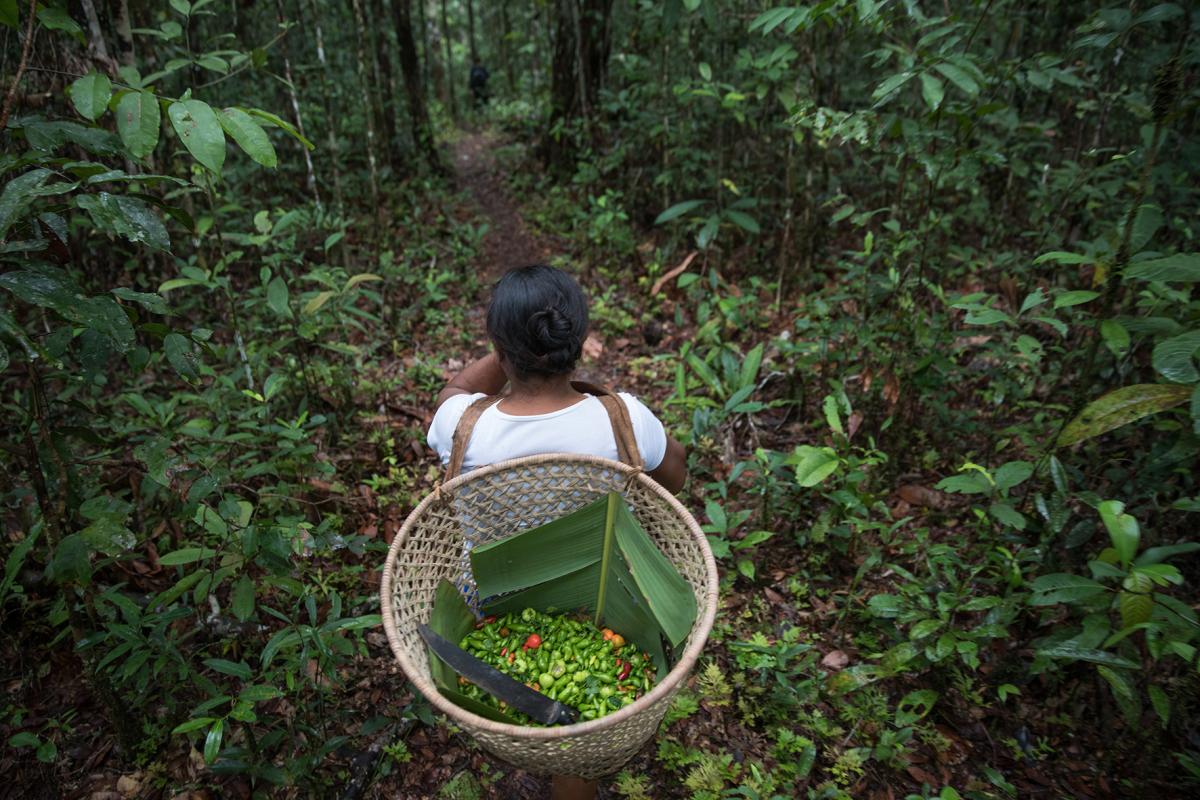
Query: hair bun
x=550, y=329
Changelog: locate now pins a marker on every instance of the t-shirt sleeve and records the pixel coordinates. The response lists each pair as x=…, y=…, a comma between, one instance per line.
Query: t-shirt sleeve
x=648, y=430
x=445, y=420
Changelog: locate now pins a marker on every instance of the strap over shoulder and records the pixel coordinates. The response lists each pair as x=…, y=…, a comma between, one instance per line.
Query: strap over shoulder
x=618, y=417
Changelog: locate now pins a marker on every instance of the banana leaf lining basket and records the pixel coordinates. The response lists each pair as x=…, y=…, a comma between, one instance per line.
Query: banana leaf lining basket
x=495, y=501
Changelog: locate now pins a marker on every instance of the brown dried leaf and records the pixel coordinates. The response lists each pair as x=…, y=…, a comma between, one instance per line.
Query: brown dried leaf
x=917, y=495
x=835, y=659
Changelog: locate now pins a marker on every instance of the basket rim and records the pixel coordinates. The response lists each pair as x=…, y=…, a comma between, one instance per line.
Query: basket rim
x=664, y=687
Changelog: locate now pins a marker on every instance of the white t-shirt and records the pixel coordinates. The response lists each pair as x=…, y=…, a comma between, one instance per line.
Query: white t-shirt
x=580, y=428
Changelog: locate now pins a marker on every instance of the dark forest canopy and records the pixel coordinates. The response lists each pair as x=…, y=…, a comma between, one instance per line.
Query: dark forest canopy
x=912, y=282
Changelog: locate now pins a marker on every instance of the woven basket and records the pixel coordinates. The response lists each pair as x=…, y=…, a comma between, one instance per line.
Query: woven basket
x=493, y=502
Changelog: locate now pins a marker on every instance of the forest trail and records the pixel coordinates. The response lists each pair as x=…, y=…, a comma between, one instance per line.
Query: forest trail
x=507, y=242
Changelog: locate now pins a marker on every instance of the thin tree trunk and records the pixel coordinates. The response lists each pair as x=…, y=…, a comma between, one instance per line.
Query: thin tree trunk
x=471, y=31
x=506, y=49
x=330, y=116
x=417, y=114
x=291, y=87
x=96, y=46
x=125, y=51
x=385, y=82
x=360, y=29
x=449, y=68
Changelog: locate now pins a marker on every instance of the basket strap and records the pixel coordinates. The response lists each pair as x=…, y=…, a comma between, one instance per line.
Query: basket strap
x=618, y=416
x=462, y=432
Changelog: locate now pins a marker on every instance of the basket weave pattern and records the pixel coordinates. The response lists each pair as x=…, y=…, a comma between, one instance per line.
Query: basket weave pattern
x=493, y=502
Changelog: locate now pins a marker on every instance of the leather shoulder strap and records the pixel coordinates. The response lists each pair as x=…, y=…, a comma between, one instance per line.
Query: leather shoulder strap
x=618, y=416
x=462, y=432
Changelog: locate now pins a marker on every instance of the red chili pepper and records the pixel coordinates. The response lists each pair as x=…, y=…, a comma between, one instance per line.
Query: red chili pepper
x=625, y=667
x=503, y=652
x=488, y=620
x=532, y=643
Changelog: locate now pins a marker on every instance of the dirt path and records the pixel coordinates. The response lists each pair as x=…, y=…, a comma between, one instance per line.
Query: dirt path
x=507, y=243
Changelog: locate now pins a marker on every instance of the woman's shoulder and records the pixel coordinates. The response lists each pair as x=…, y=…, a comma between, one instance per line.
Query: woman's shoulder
x=445, y=419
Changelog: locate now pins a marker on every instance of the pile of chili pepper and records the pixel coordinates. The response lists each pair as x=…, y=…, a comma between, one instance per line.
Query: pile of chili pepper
x=566, y=659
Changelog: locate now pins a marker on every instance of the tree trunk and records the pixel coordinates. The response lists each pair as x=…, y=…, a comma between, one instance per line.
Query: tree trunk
x=291, y=87
x=581, y=46
x=471, y=32
x=125, y=52
x=361, y=37
x=449, y=66
x=506, y=49
x=330, y=113
x=385, y=83
x=417, y=114
x=97, y=48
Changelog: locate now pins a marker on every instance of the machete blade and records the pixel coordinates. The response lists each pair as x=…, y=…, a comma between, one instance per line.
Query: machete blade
x=494, y=682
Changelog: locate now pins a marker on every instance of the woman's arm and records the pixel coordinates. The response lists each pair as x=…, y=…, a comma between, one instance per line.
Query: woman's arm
x=672, y=472
x=484, y=375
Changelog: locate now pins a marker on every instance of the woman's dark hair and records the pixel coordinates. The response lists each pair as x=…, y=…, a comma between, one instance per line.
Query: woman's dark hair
x=538, y=319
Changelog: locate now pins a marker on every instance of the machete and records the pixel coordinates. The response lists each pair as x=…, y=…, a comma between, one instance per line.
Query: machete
x=496, y=683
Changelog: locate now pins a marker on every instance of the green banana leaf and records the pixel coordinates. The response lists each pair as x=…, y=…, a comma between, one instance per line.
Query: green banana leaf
x=597, y=559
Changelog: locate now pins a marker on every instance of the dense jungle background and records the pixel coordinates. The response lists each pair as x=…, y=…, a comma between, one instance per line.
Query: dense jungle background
x=913, y=280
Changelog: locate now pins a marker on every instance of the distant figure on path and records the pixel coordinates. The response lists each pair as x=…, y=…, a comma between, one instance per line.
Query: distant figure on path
x=478, y=83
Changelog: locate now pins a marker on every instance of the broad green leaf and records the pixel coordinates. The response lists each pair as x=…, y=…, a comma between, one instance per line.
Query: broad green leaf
x=127, y=217
x=90, y=94
x=1122, y=529
x=1135, y=608
x=212, y=742
x=185, y=555
x=238, y=669
x=1182, y=267
x=924, y=628
x=177, y=283
x=70, y=562
x=9, y=14
x=200, y=131
x=750, y=366
x=138, y=122
x=1120, y=407
x=242, y=601
x=1075, y=298
x=678, y=210
x=915, y=706
x=933, y=90
x=886, y=605
x=1116, y=338
x=1012, y=474
x=279, y=122
x=319, y=300
x=813, y=464
x=705, y=71
x=193, y=725
x=1146, y=222
x=1064, y=588
x=154, y=303
x=1124, y=692
x=181, y=355
x=53, y=290
x=249, y=135
x=959, y=77
x=1156, y=555
x=1007, y=515
x=362, y=277
x=1061, y=257
x=1175, y=358
x=1073, y=652
x=743, y=220
x=277, y=297
x=889, y=86
x=830, y=408
x=1161, y=703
